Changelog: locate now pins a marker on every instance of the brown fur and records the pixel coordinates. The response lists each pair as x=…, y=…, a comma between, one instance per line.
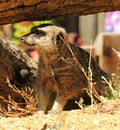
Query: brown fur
x=59, y=76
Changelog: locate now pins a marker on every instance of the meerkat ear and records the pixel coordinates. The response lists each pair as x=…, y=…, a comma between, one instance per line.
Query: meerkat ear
x=59, y=39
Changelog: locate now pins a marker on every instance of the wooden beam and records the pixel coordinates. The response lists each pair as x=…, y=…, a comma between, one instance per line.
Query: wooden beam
x=12, y=11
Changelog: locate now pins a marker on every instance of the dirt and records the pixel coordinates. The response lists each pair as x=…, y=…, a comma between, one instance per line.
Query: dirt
x=101, y=116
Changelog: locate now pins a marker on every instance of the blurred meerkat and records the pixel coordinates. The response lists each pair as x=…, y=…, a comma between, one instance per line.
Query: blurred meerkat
x=58, y=73
x=33, y=54
x=30, y=51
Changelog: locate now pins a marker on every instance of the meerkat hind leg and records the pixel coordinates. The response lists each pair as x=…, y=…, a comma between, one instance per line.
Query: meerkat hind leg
x=59, y=104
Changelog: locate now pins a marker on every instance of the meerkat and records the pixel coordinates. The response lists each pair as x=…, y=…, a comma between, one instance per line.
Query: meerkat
x=58, y=72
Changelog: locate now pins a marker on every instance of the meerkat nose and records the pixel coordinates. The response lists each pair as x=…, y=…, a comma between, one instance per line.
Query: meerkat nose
x=22, y=38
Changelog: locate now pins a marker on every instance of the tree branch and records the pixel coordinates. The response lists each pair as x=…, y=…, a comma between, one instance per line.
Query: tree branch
x=12, y=60
x=24, y=10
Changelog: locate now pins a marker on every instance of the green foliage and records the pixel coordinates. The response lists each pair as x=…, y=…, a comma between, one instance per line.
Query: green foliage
x=116, y=84
x=80, y=103
x=116, y=80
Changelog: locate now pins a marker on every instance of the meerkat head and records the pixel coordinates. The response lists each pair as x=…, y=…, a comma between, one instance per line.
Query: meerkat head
x=44, y=35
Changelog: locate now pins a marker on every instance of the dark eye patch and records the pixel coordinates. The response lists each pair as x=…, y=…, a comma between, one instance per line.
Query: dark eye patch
x=38, y=32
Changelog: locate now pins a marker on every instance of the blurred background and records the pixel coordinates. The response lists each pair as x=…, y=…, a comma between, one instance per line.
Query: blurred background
x=87, y=27
x=97, y=32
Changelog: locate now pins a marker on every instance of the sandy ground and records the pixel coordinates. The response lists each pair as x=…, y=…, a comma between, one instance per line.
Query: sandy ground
x=105, y=116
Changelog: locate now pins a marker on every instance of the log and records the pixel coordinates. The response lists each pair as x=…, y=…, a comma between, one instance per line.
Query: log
x=12, y=11
x=12, y=61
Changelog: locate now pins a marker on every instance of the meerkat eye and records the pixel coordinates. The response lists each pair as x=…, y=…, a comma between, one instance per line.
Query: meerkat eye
x=40, y=33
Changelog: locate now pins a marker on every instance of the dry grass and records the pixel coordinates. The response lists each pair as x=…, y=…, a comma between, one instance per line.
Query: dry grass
x=116, y=78
x=19, y=109
x=91, y=90
x=102, y=117
x=115, y=93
